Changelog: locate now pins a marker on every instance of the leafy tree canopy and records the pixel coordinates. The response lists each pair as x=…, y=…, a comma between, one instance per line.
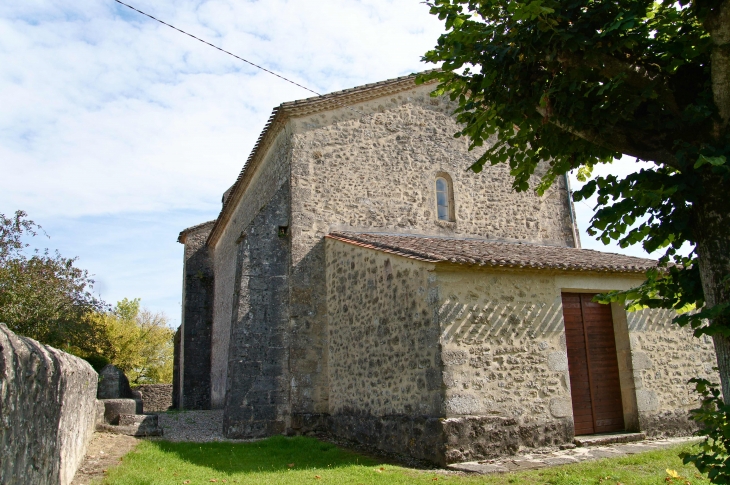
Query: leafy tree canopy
x=46, y=297
x=136, y=340
x=551, y=86
x=42, y=295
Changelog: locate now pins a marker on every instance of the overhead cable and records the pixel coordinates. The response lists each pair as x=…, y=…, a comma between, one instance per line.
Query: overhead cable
x=220, y=49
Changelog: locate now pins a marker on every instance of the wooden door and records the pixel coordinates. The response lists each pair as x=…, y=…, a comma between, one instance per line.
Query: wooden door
x=593, y=365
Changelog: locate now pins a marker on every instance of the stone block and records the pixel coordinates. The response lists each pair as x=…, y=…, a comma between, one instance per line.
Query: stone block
x=155, y=397
x=113, y=384
x=113, y=408
x=47, y=411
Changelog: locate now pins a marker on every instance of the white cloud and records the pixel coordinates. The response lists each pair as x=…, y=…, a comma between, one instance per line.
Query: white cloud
x=110, y=120
x=116, y=132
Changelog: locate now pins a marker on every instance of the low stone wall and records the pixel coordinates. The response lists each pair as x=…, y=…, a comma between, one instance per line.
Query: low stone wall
x=47, y=411
x=155, y=397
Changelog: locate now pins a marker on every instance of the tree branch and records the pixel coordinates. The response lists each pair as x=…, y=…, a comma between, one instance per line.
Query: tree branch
x=636, y=76
x=718, y=25
x=617, y=141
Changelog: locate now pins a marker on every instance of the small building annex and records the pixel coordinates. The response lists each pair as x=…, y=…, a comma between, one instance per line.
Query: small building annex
x=360, y=282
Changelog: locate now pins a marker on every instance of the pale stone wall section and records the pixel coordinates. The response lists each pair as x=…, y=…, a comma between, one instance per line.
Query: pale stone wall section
x=272, y=173
x=665, y=357
x=47, y=411
x=504, y=350
x=503, y=344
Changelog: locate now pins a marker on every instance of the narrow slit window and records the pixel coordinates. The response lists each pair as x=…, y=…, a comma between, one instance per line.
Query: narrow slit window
x=443, y=199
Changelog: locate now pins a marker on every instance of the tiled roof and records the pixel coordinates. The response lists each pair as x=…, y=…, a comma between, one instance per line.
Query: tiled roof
x=496, y=254
x=185, y=232
x=282, y=113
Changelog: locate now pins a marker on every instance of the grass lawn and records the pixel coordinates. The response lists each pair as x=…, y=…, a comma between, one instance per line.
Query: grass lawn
x=282, y=460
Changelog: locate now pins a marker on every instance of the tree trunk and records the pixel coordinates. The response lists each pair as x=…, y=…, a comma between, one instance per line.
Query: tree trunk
x=713, y=251
x=717, y=24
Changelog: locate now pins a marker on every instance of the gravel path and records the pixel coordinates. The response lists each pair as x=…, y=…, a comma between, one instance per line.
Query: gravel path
x=194, y=426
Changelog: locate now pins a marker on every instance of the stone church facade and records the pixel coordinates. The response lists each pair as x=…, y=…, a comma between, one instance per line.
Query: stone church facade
x=360, y=282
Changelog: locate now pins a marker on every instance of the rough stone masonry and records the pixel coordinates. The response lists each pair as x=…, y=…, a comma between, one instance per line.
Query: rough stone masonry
x=47, y=411
x=288, y=331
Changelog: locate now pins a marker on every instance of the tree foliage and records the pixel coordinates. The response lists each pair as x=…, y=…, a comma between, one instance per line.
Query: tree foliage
x=42, y=295
x=551, y=86
x=570, y=84
x=46, y=297
x=136, y=340
x=713, y=416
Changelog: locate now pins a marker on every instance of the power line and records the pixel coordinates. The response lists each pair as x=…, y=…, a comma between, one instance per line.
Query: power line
x=222, y=50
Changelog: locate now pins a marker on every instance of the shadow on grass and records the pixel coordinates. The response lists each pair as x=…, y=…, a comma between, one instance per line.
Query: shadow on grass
x=273, y=454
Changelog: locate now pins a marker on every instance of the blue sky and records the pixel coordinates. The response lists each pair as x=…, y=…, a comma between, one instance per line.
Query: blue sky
x=117, y=132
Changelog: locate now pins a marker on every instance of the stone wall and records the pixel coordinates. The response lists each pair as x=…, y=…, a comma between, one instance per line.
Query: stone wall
x=47, y=411
x=197, y=320
x=505, y=360
x=155, y=397
x=270, y=176
x=664, y=358
x=176, y=371
x=484, y=350
x=373, y=167
x=384, y=357
x=257, y=401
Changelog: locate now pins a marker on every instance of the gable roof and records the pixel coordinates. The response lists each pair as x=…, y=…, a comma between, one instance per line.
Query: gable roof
x=496, y=254
x=185, y=232
x=303, y=107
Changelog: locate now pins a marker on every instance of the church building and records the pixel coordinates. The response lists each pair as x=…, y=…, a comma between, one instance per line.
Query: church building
x=359, y=281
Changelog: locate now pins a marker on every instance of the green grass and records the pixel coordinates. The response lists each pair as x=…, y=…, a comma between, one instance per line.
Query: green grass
x=282, y=460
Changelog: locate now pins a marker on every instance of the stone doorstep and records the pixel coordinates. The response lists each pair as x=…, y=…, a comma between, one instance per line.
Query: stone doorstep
x=608, y=439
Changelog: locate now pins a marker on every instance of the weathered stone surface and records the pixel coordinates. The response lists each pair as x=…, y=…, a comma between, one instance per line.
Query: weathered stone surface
x=113, y=408
x=47, y=411
x=420, y=437
x=665, y=357
x=155, y=397
x=100, y=408
x=481, y=437
x=113, y=384
x=383, y=335
x=257, y=403
x=197, y=320
x=271, y=175
x=134, y=425
x=176, y=370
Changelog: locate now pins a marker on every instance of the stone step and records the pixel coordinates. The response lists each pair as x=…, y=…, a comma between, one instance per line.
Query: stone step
x=134, y=425
x=138, y=419
x=608, y=439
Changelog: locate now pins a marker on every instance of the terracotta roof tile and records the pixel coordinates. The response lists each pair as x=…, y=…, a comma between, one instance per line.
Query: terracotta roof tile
x=496, y=254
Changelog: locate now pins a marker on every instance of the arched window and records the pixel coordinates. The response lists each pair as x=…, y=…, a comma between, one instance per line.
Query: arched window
x=444, y=198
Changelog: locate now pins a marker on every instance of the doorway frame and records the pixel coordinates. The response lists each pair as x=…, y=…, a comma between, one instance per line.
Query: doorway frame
x=623, y=347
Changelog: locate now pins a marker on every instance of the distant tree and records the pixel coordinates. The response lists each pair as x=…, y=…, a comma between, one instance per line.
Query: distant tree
x=42, y=295
x=136, y=340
